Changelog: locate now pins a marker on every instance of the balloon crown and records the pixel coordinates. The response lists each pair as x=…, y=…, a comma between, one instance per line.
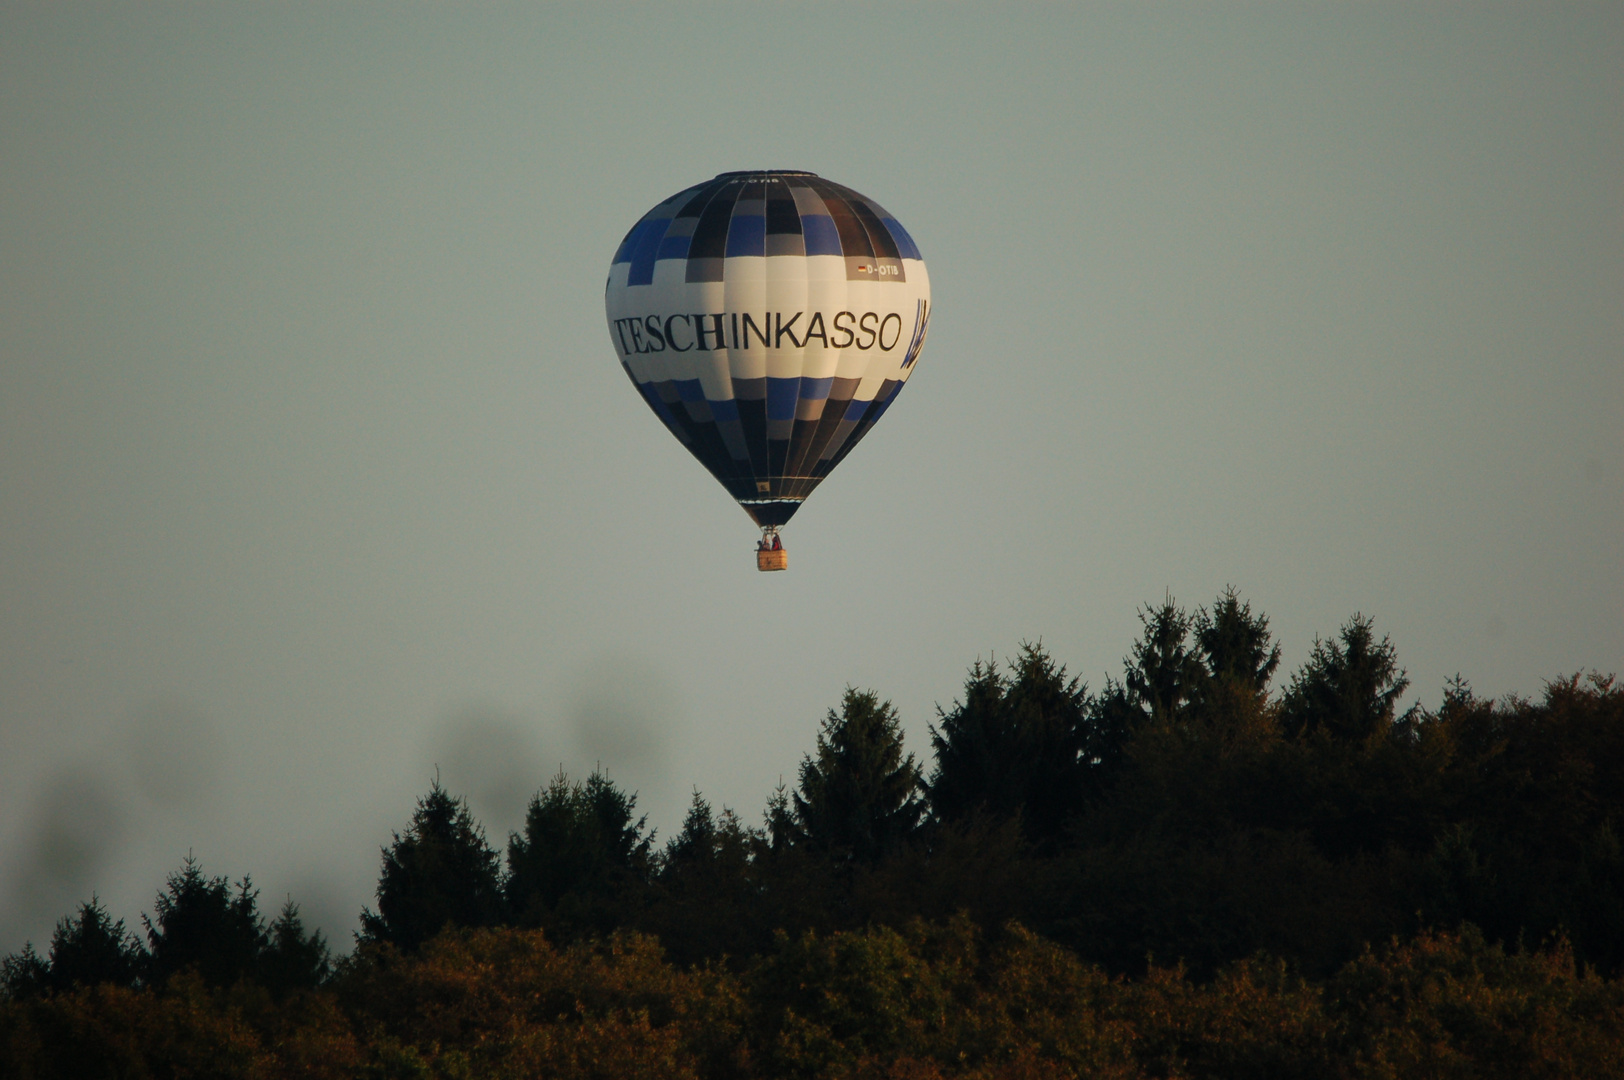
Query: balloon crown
x=766, y=172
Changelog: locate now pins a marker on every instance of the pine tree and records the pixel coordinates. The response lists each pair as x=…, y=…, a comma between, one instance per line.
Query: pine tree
x=708, y=843
x=1018, y=746
x=859, y=796
x=778, y=820
x=1349, y=689
x=696, y=842
x=292, y=959
x=88, y=949
x=1052, y=714
x=708, y=896
x=1163, y=674
x=1238, y=658
x=979, y=759
x=581, y=856
x=440, y=873
x=1113, y=717
x=201, y=924
x=1234, y=645
x=94, y=948
x=24, y=975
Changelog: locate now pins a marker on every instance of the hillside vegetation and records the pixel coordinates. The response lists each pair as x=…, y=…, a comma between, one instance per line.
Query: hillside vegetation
x=1187, y=872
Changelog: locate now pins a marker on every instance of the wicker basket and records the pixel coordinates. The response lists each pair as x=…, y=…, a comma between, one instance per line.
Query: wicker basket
x=767, y=559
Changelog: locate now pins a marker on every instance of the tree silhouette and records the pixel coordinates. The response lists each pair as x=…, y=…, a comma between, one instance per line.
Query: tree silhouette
x=292, y=959
x=1022, y=746
x=1114, y=714
x=1179, y=815
x=778, y=820
x=1234, y=645
x=1349, y=688
x=201, y=924
x=89, y=949
x=858, y=796
x=580, y=850
x=1237, y=658
x=708, y=888
x=1163, y=680
x=440, y=873
x=1162, y=672
x=25, y=974
x=979, y=756
x=697, y=844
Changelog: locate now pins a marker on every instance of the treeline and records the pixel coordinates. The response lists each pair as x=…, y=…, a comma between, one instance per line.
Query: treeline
x=1220, y=845
x=923, y=1002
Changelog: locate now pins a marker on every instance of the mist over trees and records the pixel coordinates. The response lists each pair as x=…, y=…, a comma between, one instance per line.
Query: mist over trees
x=1188, y=834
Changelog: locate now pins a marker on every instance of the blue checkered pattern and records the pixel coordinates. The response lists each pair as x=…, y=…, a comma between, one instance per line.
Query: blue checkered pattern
x=768, y=411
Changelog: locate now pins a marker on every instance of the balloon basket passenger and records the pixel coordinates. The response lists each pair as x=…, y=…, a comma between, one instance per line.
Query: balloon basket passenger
x=770, y=553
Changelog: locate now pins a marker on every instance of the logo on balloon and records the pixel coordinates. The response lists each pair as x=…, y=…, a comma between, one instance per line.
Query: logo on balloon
x=710, y=331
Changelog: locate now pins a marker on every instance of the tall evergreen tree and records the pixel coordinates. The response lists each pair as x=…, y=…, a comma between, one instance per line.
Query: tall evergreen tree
x=441, y=872
x=1163, y=673
x=1238, y=658
x=201, y=923
x=24, y=974
x=1234, y=645
x=1349, y=689
x=88, y=949
x=581, y=851
x=708, y=894
x=696, y=842
x=1052, y=714
x=979, y=759
x=1162, y=677
x=778, y=820
x=1114, y=714
x=1018, y=746
x=859, y=795
x=293, y=959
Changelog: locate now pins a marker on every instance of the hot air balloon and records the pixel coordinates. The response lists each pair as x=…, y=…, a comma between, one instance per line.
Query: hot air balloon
x=768, y=319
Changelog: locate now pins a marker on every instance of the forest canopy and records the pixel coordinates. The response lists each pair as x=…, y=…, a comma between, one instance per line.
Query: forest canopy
x=1188, y=871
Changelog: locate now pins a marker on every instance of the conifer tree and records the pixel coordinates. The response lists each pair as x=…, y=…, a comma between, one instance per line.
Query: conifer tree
x=1349, y=689
x=1016, y=746
x=1162, y=679
x=24, y=974
x=979, y=762
x=1113, y=716
x=859, y=796
x=88, y=949
x=1051, y=713
x=1234, y=645
x=581, y=851
x=778, y=820
x=1237, y=658
x=708, y=844
x=441, y=872
x=708, y=894
x=293, y=959
x=696, y=842
x=1162, y=673
x=200, y=923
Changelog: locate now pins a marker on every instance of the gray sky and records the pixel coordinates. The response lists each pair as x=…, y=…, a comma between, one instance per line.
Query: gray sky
x=317, y=469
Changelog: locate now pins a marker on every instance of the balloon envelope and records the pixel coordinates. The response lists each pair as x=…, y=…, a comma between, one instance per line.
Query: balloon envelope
x=768, y=319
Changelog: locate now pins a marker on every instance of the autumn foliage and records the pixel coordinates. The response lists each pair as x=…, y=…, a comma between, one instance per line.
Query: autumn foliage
x=1182, y=874
x=930, y=1000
